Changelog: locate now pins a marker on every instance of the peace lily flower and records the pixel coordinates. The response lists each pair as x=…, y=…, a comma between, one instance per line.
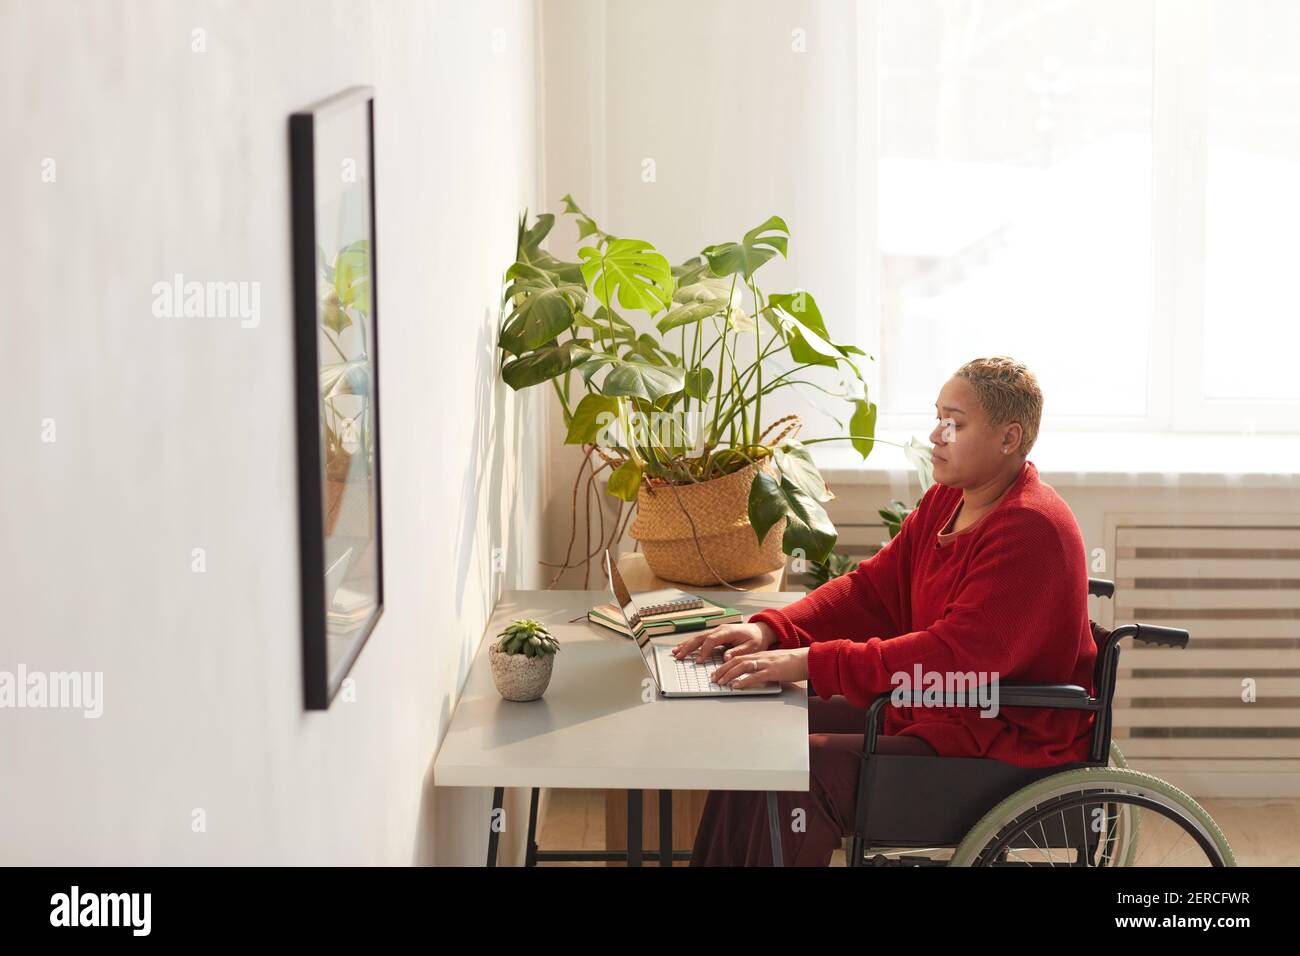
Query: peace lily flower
x=719, y=290
x=739, y=319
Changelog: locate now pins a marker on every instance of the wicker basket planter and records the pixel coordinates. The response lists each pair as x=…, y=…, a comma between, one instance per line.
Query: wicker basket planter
x=700, y=533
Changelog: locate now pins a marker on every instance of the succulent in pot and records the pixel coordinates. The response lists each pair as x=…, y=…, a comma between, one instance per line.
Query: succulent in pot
x=523, y=658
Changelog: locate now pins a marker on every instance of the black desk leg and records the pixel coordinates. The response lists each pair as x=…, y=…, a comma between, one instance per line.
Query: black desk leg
x=665, y=828
x=530, y=853
x=634, y=828
x=498, y=798
x=774, y=829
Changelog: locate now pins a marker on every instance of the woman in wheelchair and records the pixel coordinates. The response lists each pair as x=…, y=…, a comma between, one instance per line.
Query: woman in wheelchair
x=987, y=577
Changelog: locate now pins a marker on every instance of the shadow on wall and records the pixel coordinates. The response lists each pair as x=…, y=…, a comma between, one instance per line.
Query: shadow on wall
x=444, y=834
x=483, y=461
x=484, y=478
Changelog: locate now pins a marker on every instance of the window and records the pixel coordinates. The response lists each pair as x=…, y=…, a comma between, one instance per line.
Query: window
x=1107, y=190
x=1252, y=203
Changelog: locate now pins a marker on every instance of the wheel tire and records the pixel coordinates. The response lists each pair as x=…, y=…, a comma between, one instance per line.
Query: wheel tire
x=1074, y=781
x=1133, y=824
x=1117, y=757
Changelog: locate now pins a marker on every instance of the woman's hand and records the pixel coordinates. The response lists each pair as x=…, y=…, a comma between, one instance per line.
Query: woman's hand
x=765, y=667
x=741, y=638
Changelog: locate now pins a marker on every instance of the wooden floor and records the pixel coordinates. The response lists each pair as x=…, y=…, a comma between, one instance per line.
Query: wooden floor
x=1262, y=832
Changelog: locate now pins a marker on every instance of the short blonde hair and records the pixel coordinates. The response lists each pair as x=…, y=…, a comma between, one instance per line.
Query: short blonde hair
x=1008, y=392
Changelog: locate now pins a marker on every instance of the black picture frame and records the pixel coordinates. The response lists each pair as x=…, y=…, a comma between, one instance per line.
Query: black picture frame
x=323, y=676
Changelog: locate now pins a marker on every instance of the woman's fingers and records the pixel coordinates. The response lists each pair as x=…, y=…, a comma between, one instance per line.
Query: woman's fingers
x=752, y=646
x=729, y=670
x=688, y=645
x=703, y=645
x=750, y=678
x=722, y=638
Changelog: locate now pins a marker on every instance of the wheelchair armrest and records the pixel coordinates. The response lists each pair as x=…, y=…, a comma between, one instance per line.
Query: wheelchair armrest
x=1049, y=696
x=1052, y=696
x=1055, y=696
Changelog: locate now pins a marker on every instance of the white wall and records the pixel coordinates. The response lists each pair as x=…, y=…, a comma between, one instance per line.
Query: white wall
x=741, y=117
x=179, y=434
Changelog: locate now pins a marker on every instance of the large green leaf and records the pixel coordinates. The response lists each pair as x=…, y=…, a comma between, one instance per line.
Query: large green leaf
x=743, y=258
x=629, y=271
x=796, y=464
x=680, y=315
x=804, y=330
x=699, y=383
x=590, y=418
x=691, y=271
x=543, y=307
x=633, y=378
x=863, y=426
x=701, y=300
x=586, y=225
x=589, y=362
x=528, y=249
x=648, y=347
x=599, y=322
x=625, y=481
x=807, y=528
x=539, y=366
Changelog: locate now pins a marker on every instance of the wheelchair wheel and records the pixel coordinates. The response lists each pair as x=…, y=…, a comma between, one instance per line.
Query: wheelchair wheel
x=1075, y=818
x=1117, y=756
x=1123, y=827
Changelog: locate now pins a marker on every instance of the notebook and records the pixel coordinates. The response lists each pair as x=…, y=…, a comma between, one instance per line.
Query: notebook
x=674, y=622
x=666, y=600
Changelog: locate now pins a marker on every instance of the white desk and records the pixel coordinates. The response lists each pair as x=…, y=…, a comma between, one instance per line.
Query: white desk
x=594, y=729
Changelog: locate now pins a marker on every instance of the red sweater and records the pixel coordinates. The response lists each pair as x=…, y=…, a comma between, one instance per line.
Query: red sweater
x=1007, y=596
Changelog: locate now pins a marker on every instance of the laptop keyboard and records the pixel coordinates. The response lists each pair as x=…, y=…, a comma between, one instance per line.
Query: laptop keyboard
x=694, y=677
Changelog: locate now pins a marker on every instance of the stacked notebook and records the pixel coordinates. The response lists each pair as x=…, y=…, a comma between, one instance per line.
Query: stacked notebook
x=667, y=611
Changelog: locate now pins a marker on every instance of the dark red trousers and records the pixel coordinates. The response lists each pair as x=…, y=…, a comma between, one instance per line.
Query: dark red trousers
x=734, y=829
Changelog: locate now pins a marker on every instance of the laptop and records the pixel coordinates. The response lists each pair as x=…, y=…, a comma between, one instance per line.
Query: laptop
x=673, y=677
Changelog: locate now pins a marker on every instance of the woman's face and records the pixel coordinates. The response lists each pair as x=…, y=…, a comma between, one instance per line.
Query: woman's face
x=967, y=451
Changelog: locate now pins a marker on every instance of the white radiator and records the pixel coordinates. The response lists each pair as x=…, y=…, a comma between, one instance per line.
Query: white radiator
x=1233, y=582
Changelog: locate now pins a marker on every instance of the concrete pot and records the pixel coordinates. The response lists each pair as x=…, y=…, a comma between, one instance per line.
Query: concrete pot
x=518, y=676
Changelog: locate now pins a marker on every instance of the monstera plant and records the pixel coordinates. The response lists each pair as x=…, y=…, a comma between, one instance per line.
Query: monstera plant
x=665, y=374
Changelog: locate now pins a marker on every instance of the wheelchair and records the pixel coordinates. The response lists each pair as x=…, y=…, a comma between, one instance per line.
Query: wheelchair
x=959, y=811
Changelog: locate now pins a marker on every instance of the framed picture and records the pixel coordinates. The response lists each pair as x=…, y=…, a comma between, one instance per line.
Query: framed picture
x=336, y=386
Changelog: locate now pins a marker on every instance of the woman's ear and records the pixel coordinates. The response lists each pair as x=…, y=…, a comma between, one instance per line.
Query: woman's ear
x=1012, y=439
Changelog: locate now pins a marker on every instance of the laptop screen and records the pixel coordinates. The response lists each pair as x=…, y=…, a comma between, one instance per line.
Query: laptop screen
x=631, y=617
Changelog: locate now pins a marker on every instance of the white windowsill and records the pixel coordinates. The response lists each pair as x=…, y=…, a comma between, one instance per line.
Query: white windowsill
x=1123, y=459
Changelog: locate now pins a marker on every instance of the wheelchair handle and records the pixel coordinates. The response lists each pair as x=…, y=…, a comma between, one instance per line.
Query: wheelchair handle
x=1164, y=636
x=1100, y=587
